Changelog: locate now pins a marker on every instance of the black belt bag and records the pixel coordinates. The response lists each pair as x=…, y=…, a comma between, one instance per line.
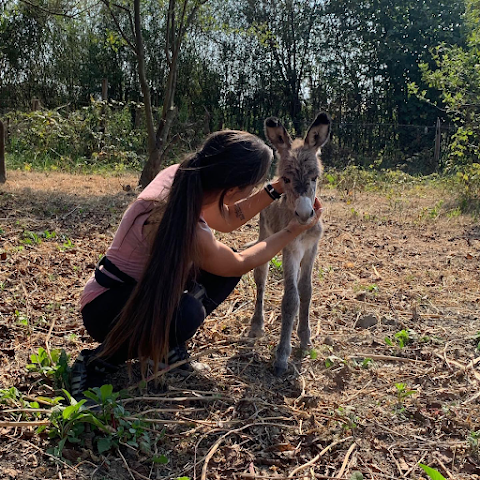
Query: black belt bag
x=195, y=289
x=108, y=282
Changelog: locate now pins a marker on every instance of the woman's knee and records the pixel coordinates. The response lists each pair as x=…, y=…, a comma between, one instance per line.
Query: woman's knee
x=190, y=315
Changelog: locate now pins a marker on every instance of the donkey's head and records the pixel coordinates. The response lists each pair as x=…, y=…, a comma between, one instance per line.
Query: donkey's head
x=299, y=163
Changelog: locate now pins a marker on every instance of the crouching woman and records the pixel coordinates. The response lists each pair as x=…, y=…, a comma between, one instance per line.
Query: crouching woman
x=165, y=271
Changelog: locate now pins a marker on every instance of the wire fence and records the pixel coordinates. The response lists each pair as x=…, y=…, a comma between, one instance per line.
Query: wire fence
x=413, y=148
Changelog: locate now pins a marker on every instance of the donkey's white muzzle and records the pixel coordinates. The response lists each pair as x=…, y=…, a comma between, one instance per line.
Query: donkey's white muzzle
x=304, y=209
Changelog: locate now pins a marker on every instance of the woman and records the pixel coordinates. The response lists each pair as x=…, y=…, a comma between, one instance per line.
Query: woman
x=165, y=271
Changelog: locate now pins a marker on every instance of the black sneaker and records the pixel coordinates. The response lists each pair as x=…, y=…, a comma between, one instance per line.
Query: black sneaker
x=179, y=353
x=89, y=371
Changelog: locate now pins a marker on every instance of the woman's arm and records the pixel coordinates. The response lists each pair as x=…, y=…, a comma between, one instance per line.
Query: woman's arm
x=240, y=212
x=219, y=259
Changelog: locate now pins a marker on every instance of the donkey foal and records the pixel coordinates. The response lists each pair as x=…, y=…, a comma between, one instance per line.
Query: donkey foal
x=299, y=165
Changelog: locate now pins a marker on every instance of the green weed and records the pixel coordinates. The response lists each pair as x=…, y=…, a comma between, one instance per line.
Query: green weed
x=49, y=235
x=53, y=366
x=432, y=473
x=403, y=392
x=67, y=423
x=22, y=319
x=67, y=245
x=30, y=238
x=277, y=264
x=402, y=338
x=473, y=439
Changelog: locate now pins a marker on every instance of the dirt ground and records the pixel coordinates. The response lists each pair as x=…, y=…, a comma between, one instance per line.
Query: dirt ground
x=393, y=378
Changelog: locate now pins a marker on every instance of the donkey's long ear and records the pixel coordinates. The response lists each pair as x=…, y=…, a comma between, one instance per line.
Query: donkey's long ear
x=277, y=135
x=319, y=132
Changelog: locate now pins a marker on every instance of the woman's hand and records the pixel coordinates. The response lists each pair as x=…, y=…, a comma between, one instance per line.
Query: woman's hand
x=298, y=228
x=278, y=185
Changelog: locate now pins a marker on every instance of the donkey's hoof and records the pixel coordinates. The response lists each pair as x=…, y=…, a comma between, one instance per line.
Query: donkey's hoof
x=279, y=370
x=256, y=333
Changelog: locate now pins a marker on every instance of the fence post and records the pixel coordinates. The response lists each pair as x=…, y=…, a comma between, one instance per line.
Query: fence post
x=3, y=176
x=438, y=139
x=104, y=89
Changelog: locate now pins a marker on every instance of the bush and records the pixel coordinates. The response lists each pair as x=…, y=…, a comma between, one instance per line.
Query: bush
x=93, y=137
x=469, y=188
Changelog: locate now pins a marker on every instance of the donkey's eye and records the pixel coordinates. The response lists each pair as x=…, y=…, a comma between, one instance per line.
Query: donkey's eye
x=285, y=180
x=314, y=179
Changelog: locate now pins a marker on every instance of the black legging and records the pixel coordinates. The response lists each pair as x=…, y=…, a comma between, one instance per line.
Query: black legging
x=101, y=314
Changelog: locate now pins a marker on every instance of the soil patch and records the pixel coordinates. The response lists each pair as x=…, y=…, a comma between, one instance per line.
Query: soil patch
x=393, y=378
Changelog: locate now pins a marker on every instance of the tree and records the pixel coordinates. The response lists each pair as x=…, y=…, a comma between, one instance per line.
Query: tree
x=179, y=16
x=457, y=76
x=3, y=176
x=287, y=29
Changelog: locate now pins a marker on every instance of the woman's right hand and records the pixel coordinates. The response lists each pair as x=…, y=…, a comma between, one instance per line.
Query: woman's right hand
x=299, y=228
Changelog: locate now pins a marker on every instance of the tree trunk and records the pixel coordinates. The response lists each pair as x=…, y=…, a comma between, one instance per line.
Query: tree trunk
x=3, y=176
x=158, y=144
x=149, y=171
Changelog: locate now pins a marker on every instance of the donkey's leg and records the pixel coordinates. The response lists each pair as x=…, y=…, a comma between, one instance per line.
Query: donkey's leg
x=260, y=275
x=305, y=292
x=290, y=303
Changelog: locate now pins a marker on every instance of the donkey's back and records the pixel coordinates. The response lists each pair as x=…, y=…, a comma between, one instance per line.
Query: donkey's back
x=299, y=166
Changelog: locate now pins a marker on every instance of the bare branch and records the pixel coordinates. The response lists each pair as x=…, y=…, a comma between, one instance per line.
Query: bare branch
x=57, y=13
x=117, y=23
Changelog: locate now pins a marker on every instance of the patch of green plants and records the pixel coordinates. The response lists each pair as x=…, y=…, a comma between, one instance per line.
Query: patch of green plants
x=333, y=360
x=21, y=318
x=101, y=410
x=53, y=365
x=132, y=432
x=401, y=338
x=348, y=415
x=403, y=392
x=66, y=245
x=364, y=364
x=473, y=439
x=49, y=235
x=468, y=188
x=477, y=340
x=95, y=137
x=431, y=213
x=30, y=238
x=277, y=264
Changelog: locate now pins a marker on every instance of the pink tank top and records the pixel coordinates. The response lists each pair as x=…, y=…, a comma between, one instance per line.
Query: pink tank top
x=129, y=250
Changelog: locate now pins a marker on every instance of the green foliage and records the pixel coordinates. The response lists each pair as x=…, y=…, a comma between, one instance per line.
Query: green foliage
x=54, y=365
x=277, y=264
x=132, y=432
x=403, y=391
x=93, y=137
x=474, y=440
x=457, y=76
x=468, y=188
x=432, y=473
x=402, y=338
x=108, y=422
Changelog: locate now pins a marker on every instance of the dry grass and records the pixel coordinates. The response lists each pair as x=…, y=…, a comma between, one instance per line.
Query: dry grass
x=398, y=261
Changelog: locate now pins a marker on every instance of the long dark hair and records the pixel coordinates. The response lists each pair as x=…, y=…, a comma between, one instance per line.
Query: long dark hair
x=228, y=159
